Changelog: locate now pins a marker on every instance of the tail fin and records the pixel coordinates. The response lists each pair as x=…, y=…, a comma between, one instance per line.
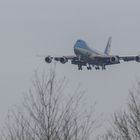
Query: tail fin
x=108, y=46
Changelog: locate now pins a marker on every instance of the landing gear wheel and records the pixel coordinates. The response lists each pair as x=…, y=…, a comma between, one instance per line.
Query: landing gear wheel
x=80, y=67
x=103, y=67
x=89, y=68
x=97, y=67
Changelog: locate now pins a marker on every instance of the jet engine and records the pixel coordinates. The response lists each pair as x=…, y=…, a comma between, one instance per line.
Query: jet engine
x=114, y=59
x=63, y=60
x=138, y=58
x=48, y=59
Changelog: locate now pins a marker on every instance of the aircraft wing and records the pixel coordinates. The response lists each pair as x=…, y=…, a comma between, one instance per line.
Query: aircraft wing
x=117, y=58
x=94, y=61
x=124, y=58
x=130, y=58
x=66, y=57
x=62, y=59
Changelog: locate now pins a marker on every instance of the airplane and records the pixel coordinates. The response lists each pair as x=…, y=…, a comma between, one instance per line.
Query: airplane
x=85, y=56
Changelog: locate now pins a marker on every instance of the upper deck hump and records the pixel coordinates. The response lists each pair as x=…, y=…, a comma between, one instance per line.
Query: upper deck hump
x=81, y=44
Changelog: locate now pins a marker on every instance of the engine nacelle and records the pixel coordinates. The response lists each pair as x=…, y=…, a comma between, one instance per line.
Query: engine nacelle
x=138, y=58
x=114, y=59
x=48, y=59
x=63, y=60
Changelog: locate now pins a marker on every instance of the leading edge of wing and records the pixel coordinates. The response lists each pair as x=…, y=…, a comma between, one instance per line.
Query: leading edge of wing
x=124, y=58
x=130, y=58
x=67, y=57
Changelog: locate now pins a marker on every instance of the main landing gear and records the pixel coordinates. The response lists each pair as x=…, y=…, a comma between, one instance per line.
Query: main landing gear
x=97, y=67
x=103, y=67
x=89, y=67
x=80, y=67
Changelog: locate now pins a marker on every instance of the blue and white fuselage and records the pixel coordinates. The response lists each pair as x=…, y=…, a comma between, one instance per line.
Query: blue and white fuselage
x=82, y=50
x=94, y=57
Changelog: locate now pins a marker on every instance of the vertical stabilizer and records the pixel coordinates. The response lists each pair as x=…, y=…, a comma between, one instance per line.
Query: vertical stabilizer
x=108, y=47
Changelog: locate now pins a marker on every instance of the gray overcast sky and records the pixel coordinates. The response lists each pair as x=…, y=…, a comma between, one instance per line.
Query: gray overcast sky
x=30, y=27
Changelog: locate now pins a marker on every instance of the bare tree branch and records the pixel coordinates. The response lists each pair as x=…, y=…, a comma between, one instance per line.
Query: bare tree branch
x=126, y=124
x=47, y=114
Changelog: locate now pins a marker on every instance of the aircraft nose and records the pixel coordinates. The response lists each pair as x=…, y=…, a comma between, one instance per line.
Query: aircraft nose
x=76, y=50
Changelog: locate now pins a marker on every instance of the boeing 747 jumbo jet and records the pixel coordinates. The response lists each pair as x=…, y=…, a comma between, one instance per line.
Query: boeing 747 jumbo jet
x=85, y=56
